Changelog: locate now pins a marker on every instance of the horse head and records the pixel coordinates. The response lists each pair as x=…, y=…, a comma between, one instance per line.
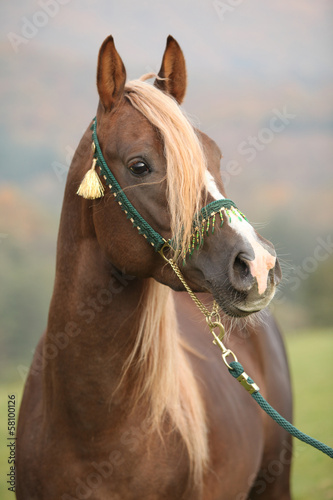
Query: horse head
x=169, y=171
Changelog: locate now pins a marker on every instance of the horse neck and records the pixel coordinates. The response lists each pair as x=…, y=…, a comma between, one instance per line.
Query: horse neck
x=113, y=326
x=117, y=344
x=94, y=309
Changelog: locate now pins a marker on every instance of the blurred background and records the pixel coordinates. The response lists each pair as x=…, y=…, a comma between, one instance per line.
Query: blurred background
x=260, y=84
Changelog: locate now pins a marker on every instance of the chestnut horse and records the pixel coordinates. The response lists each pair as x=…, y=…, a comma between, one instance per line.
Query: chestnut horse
x=127, y=397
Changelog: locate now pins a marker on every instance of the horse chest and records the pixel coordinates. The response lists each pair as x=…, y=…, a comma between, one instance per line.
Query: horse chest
x=133, y=464
x=129, y=465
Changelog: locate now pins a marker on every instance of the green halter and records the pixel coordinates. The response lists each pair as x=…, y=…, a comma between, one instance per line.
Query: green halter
x=92, y=187
x=205, y=220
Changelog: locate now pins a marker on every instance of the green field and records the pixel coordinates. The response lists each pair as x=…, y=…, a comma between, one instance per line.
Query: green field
x=310, y=355
x=311, y=360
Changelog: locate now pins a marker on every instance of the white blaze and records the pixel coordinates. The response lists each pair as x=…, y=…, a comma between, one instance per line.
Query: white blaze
x=263, y=260
x=212, y=187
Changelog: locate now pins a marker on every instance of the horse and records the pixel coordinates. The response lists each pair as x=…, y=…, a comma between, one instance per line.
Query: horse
x=127, y=397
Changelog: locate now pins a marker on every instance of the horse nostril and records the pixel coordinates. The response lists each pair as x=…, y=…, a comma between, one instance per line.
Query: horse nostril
x=240, y=275
x=241, y=267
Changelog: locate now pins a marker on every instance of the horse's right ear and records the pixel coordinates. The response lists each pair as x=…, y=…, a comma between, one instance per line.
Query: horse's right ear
x=173, y=79
x=111, y=74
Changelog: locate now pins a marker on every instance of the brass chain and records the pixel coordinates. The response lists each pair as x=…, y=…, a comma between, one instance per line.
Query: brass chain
x=200, y=305
x=212, y=317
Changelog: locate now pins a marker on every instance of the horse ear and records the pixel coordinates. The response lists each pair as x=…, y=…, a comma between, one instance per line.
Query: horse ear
x=173, y=70
x=111, y=74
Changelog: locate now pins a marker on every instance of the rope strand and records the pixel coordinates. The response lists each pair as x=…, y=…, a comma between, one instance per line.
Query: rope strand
x=237, y=370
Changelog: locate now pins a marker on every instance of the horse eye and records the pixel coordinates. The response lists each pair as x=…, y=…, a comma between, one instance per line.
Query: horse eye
x=139, y=168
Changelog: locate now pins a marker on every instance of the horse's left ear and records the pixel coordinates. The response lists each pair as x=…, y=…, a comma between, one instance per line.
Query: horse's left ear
x=111, y=74
x=173, y=70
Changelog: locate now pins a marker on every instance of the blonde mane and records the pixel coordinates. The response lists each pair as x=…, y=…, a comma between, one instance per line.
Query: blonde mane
x=186, y=162
x=158, y=362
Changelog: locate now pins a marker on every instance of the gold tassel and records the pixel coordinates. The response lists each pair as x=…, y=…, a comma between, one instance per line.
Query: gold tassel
x=91, y=186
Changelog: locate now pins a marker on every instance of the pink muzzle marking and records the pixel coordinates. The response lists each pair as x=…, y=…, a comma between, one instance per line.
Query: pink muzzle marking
x=260, y=267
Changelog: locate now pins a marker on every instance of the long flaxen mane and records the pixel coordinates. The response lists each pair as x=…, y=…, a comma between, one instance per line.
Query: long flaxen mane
x=186, y=162
x=162, y=373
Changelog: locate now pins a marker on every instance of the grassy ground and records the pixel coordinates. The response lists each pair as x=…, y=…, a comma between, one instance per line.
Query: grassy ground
x=311, y=360
x=310, y=355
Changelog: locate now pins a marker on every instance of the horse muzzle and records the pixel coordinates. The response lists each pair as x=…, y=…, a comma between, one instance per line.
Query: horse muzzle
x=241, y=274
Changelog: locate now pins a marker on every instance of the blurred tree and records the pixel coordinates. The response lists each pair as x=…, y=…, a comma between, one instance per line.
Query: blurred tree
x=27, y=263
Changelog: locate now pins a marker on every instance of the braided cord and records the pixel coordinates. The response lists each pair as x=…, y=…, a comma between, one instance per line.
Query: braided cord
x=159, y=243
x=237, y=371
x=154, y=238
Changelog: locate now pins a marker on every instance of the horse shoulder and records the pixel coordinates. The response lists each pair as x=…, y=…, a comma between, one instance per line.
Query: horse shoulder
x=29, y=434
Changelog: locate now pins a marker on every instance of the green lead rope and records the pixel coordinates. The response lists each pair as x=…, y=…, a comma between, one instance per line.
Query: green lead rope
x=237, y=371
x=158, y=242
